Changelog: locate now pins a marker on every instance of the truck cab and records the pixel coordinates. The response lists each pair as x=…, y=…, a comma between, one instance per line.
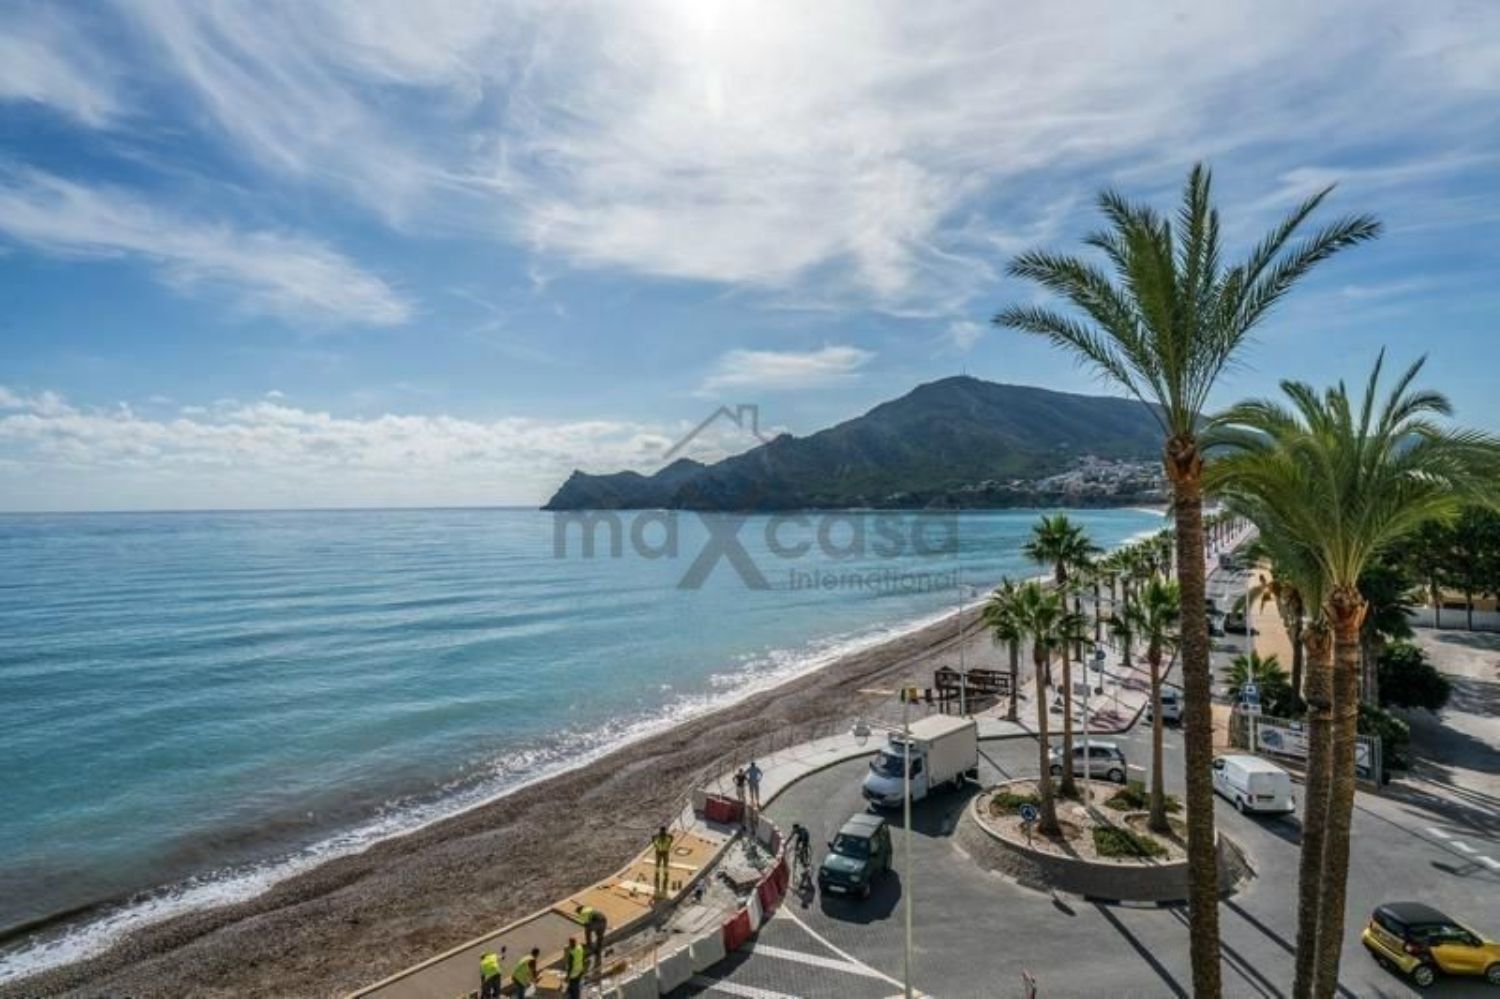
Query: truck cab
x=944, y=754
x=860, y=852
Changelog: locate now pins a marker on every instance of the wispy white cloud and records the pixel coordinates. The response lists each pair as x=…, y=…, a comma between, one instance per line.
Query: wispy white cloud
x=271, y=453
x=285, y=275
x=965, y=333
x=772, y=371
x=829, y=155
x=44, y=60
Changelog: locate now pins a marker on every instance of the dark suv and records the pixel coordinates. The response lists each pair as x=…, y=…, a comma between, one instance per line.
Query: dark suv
x=858, y=854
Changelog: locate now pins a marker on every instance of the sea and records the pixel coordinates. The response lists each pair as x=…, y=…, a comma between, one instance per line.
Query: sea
x=197, y=705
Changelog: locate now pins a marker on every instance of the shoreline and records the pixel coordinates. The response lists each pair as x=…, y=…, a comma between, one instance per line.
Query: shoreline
x=415, y=879
x=412, y=894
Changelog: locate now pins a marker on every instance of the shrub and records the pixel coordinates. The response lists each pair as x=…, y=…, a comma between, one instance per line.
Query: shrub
x=1112, y=841
x=1393, y=733
x=1409, y=680
x=1133, y=797
x=1010, y=801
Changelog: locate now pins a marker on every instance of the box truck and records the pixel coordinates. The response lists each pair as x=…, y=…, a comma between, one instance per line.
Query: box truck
x=944, y=754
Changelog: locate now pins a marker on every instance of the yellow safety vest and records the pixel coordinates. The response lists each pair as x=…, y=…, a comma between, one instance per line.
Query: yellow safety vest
x=663, y=844
x=489, y=967
x=524, y=973
x=577, y=956
x=586, y=914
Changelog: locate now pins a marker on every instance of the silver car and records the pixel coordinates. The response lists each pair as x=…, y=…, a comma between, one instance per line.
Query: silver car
x=1104, y=759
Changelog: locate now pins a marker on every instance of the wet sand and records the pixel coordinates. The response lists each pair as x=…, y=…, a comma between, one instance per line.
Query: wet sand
x=357, y=919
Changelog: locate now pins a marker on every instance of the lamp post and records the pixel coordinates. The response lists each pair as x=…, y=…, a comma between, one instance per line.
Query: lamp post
x=861, y=731
x=963, y=671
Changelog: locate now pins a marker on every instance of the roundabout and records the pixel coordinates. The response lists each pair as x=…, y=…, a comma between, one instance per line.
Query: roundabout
x=978, y=929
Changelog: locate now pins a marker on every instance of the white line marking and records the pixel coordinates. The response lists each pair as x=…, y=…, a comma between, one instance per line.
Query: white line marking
x=1493, y=864
x=816, y=960
x=749, y=991
x=1437, y=832
x=1461, y=845
x=787, y=913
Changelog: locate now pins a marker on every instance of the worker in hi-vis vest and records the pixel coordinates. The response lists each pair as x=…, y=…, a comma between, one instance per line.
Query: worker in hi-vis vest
x=524, y=974
x=661, y=846
x=575, y=959
x=490, y=975
x=594, y=926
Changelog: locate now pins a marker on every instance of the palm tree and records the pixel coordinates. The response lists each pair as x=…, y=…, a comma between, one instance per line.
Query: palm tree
x=1156, y=618
x=1042, y=615
x=1351, y=478
x=1267, y=675
x=1062, y=544
x=1277, y=589
x=1163, y=327
x=999, y=617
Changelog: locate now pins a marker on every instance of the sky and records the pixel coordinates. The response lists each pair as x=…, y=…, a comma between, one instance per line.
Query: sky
x=365, y=253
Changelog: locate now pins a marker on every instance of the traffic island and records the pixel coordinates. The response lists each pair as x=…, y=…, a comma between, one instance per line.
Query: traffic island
x=1105, y=851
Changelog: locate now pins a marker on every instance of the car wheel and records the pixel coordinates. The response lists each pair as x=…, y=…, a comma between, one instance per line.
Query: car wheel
x=1492, y=974
x=1117, y=775
x=864, y=893
x=1056, y=770
x=1240, y=804
x=1423, y=975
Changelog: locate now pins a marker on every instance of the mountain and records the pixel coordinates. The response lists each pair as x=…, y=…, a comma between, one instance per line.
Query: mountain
x=955, y=442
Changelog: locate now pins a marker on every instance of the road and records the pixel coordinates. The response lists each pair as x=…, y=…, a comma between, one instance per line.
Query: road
x=976, y=932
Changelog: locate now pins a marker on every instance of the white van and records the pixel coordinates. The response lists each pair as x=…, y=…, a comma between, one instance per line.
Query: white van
x=1253, y=784
x=1171, y=707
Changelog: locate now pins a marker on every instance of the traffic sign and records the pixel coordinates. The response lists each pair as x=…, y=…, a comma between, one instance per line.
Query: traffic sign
x=1029, y=813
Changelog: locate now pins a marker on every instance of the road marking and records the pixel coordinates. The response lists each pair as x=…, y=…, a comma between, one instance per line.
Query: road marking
x=1461, y=845
x=816, y=960
x=788, y=914
x=748, y=991
x=1494, y=865
x=1438, y=833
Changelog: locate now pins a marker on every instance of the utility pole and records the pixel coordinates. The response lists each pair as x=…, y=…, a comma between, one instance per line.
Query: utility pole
x=907, y=888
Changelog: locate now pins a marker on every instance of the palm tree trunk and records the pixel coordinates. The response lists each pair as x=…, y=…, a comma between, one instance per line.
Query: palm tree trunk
x=1015, y=680
x=1347, y=608
x=1158, y=818
x=1048, y=824
x=1319, y=691
x=1098, y=614
x=1184, y=467
x=1069, y=789
x=1294, y=632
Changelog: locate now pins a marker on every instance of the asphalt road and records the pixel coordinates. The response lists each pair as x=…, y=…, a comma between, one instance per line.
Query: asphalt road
x=976, y=932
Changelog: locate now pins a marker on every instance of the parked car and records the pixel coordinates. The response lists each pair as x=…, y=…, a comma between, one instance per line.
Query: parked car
x=1419, y=942
x=1171, y=707
x=1253, y=784
x=1214, y=627
x=1234, y=622
x=1104, y=759
x=859, y=854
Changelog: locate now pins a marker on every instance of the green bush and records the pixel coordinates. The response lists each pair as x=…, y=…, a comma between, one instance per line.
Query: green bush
x=1409, y=680
x=1112, y=841
x=1010, y=801
x=1394, y=734
x=1134, y=797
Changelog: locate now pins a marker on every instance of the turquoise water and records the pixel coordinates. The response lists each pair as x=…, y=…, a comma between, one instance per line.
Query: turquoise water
x=204, y=702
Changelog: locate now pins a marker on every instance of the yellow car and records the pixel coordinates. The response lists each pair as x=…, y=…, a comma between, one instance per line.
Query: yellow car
x=1419, y=941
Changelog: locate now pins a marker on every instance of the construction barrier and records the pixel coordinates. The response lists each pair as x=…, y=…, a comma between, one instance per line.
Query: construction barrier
x=707, y=951
x=674, y=971
x=642, y=986
x=736, y=931
x=768, y=894
x=726, y=811
x=752, y=906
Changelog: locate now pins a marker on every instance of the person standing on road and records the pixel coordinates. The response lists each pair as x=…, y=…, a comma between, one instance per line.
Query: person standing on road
x=752, y=777
x=575, y=959
x=661, y=847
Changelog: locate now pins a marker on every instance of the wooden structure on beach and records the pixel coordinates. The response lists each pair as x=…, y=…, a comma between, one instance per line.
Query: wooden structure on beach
x=974, y=690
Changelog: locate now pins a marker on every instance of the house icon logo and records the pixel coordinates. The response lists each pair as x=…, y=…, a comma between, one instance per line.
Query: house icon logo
x=745, y=416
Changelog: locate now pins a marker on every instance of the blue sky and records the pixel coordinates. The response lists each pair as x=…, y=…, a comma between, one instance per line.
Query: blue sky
x=367, y=253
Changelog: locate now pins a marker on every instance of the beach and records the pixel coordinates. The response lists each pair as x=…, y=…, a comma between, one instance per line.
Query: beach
x=358, y=918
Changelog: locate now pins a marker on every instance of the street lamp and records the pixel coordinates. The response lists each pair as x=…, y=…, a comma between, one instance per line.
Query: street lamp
x=861, y=733
x=963, y=672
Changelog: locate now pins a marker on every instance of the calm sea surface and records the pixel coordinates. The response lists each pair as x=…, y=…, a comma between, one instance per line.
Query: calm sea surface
x=197, y=704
